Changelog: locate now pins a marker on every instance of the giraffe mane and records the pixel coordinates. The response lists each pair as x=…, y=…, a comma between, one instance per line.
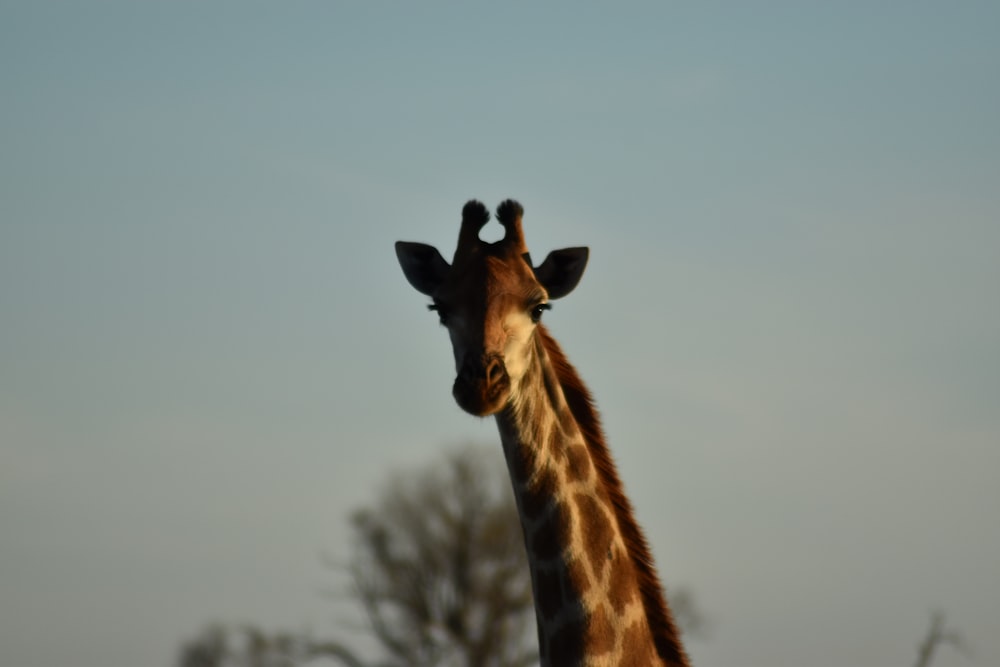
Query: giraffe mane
x=581, y=405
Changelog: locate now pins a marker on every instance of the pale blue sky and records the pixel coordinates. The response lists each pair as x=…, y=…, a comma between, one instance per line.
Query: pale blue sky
x=208, y=355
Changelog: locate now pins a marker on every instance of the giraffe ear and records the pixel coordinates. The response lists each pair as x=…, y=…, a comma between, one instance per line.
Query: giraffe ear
x=422, y=265
x=561, y=271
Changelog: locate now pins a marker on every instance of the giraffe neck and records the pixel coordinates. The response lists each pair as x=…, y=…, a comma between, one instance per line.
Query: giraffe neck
x=598, y=600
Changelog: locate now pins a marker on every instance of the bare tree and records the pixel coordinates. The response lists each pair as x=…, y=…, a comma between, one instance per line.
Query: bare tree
x=248, y=646
x=687, y=615
x=440, y=567
x=209, y=649
x=936, y=636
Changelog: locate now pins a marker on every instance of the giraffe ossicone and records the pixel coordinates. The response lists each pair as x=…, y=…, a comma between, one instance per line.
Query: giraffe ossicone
x=598, y=599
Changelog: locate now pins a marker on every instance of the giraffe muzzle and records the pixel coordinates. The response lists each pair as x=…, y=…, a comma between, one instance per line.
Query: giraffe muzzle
x=483, y=385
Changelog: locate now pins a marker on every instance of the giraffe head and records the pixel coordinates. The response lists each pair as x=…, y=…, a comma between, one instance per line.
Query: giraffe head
x=490, y=298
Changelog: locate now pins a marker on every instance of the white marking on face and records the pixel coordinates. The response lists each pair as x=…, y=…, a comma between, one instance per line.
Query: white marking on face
x=518, y=328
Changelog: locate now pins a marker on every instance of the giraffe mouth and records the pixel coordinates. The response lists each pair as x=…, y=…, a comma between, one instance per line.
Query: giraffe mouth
x=482, y=389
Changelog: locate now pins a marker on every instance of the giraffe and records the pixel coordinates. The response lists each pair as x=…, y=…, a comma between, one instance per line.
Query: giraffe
x=598, y=599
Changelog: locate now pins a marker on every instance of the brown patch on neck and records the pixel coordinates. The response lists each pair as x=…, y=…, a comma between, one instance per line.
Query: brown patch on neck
x=581, y=404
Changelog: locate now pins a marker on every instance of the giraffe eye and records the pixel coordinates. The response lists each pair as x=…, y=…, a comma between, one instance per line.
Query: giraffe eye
x=536, y=312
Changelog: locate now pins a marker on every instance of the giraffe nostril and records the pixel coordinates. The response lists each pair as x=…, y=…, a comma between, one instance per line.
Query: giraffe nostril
x=482, y=385
x=495, y=370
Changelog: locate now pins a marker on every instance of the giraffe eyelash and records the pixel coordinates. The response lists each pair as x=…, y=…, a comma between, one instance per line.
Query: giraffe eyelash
x=440, y=310
x=537, y=310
